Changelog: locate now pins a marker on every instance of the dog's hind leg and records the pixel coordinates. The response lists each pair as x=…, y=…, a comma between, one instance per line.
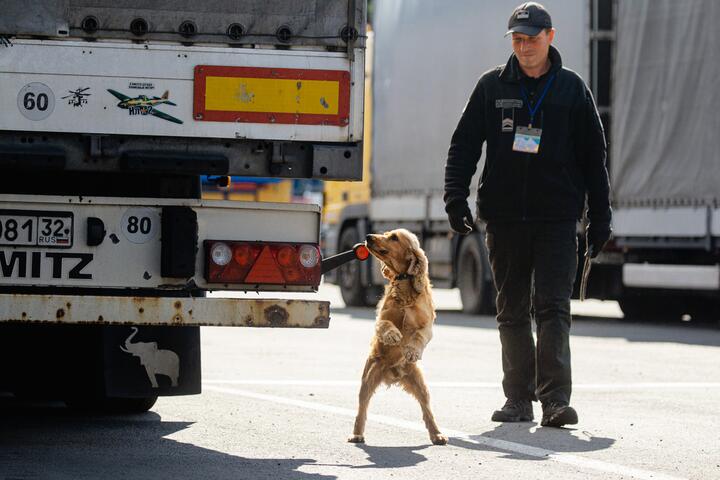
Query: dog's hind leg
x=414, y=383
x=372, y=376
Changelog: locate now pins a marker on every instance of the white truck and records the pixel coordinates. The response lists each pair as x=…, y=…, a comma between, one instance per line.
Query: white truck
x=427, y=57
x=657, y=102
x=665, y=164
x=110, y=111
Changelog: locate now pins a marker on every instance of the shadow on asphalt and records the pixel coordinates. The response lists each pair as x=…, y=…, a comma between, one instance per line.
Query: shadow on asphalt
x=559, y=440
x=51, y=441
x=392, y=457
x=673, y=331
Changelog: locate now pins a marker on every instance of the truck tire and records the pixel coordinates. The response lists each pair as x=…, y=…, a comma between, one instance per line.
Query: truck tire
x=650, y=308
x=476, y=292
x=353, y=292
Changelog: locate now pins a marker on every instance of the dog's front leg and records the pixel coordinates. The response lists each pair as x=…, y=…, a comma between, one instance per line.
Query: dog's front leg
x=387, y=332
x=415, y=346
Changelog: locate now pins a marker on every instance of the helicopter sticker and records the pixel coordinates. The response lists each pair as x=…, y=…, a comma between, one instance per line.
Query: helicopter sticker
x=77, y=98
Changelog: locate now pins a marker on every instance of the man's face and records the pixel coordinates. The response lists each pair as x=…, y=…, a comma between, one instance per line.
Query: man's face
x=532, y=52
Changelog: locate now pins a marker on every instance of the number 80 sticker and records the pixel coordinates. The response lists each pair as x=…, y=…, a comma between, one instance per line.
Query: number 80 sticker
x=36, y=101
x=140, y=225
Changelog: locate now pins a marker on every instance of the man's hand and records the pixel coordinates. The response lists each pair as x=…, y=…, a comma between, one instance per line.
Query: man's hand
x=597, y=236
x=460, y=218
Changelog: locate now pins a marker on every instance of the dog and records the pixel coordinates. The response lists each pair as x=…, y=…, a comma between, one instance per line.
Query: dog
x=403, y=328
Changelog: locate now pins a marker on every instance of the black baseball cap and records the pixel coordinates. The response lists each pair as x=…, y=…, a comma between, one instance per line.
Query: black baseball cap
x=529, y=18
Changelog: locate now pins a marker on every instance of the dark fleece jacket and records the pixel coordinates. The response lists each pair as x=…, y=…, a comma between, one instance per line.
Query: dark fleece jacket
x=517, y=186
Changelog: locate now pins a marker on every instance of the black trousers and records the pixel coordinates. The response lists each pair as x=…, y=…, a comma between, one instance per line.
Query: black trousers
x=534, y=266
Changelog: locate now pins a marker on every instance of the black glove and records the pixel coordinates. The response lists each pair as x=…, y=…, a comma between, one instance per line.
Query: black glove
x=460, y=217
x=597, y=235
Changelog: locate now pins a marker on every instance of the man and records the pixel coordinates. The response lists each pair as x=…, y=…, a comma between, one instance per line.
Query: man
x=545, y=152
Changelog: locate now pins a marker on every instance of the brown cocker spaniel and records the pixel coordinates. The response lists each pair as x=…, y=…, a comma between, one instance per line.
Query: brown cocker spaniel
x=403, y=328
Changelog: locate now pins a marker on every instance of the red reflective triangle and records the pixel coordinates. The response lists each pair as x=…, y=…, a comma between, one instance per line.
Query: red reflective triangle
x=265, y=270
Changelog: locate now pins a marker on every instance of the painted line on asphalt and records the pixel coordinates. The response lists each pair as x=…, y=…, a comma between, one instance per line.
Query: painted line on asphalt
x=504, y=445
x=492, y=385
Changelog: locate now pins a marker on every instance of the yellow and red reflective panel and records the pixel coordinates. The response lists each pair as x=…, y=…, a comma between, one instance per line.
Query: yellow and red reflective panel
x=271, y=95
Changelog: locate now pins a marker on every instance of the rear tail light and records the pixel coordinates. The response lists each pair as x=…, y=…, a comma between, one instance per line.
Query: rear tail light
x=262, y=263
x=309, y=256
x=221, y=254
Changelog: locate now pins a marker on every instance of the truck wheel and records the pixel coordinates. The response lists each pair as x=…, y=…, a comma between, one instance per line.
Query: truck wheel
x=476, y=292
x=650, y=308
x=353, y=291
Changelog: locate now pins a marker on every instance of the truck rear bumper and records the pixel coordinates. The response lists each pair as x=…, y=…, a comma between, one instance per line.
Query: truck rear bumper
x=681, y=277
x=107, y=310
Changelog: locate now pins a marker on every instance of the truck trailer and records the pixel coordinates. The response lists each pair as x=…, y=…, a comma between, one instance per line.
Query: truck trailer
x=110, y=113
x=655, y=98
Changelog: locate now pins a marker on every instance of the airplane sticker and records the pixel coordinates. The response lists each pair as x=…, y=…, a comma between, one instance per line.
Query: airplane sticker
x=77, y=98
x=144, y=105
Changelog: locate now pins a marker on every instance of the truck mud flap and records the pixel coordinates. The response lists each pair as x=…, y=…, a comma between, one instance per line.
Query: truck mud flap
x=151, y=361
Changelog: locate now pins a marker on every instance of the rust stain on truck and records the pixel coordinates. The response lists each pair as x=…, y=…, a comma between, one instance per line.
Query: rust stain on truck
x=276, y=316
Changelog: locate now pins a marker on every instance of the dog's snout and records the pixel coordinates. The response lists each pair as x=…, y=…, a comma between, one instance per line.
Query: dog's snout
x=368, y=238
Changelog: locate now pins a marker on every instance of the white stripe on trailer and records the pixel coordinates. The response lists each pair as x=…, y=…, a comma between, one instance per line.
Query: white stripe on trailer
x=680, y=277
x=226, y=312
x=660, y=222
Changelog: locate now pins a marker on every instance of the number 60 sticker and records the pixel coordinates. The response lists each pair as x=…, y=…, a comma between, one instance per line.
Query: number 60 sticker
x=140, y=225
x=36, y=101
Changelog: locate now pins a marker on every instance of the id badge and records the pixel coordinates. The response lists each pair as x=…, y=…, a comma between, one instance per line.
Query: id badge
x=527, y=139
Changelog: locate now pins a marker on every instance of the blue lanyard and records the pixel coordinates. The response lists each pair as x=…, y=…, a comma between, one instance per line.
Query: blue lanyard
x=534, y=110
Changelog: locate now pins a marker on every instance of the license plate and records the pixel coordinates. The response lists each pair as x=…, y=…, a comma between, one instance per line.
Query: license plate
x=20, y=228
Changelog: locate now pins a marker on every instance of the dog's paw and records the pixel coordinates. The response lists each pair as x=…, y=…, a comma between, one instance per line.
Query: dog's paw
x=391, y=337
x=439, y=439
x=356, y=439
x=412, y=355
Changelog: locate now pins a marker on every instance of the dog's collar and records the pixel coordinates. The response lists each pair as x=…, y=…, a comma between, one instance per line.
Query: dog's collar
x=403, y=276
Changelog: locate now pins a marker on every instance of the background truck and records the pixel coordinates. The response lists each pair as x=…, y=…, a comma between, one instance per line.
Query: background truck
x=110, y=113
x=665, y=160
x=426, y=59
x=657, y=103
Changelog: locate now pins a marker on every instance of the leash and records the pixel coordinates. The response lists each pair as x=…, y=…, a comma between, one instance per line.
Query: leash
x=586, y=273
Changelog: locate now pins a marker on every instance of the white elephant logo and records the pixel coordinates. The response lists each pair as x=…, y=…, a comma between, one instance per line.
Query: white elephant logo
x=155, y=361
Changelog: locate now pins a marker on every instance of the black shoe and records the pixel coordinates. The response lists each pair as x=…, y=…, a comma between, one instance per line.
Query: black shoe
x=514, y=411
x=557, y=414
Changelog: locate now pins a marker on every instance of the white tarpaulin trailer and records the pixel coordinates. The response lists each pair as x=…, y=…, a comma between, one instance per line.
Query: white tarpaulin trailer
x=665, y=162
x=428, y=56
x=665, y=149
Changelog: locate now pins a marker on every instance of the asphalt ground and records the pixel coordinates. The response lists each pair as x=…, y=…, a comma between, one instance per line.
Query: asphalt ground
x=280, y=404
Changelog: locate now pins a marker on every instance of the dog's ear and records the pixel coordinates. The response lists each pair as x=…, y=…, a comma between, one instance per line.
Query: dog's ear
x=418, y=268
x=387, y=272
